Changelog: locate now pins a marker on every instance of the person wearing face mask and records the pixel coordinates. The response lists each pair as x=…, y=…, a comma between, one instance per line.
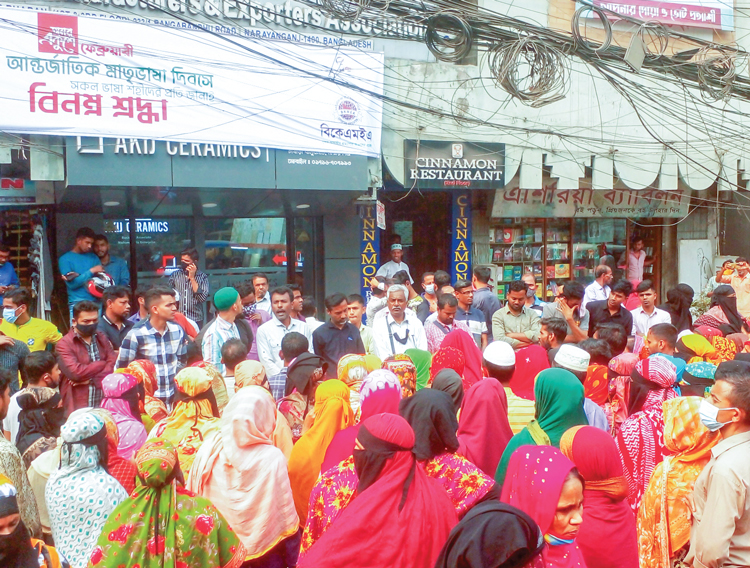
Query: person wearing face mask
x=430, y=290
x=17, y=548
x=485, y=300
x=720, y=504
x=42, y=372
x=86, y=357
x=8, y=276
x=222, y=329
x=37, y=334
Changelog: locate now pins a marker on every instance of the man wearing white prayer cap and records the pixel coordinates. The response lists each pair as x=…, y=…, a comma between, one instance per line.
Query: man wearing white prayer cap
x=390, y=268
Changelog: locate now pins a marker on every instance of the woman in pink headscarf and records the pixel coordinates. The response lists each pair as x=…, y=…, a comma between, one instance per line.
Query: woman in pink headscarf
x=120, y=391
x=545, y=485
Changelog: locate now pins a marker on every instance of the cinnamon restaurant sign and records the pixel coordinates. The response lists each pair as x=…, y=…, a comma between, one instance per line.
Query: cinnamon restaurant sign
x=435, y=164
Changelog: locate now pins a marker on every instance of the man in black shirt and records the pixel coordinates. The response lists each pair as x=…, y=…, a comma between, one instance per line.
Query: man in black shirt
x=337, y=337
x=611, y=310
x=114, y=321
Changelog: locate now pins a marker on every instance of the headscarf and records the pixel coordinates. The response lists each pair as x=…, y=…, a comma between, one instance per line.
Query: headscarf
x=401, y=366
x=707, y=331
x=663, y=517
x=145, y=372
x=194, y=416
x=377, y=380
x=120, y=392
x=39, y=422
x=218, y=386
x=678, y=307
x=422, y=361
x=461, y=340
x=81, y=493
x=161, y=524
x=304, y=372
x=332, y=413
x=450, y=382
x=492, y=535
x=607, y=517
x=530, y=361
x=559, y=406
x=525, y=472
x=596, y=384
x=373, y=402
x=694, y=348
x=351, y=371
x=726, y=348
x=373, y=362
x=483, y=430
x=397, y=506
x=653, y=381
x=121, y=469
x=697, y=378
x=620, y=369
x=728, y=304
x=447, y=358
x=241, y=472
x=249, y=373
x=430, y=414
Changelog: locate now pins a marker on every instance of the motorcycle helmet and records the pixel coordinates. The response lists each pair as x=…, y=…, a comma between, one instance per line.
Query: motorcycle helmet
x=98, y=283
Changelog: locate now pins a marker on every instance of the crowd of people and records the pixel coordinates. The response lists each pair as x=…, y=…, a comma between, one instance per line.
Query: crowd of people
x=433, y=429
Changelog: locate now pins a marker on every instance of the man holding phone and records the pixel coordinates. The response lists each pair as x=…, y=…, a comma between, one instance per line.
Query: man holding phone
x=192, y=286
x=78, y=266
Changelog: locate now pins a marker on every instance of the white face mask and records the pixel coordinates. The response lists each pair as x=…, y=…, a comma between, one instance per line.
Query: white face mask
x=709, y=412
x=429, y=289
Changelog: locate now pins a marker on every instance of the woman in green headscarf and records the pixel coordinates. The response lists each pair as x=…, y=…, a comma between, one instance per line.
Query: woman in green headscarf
x=422, y=360
x=162, y=524
x=559, y=406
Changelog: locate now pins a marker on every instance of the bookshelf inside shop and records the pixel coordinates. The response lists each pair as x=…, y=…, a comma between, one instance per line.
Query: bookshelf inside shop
x=559, y=250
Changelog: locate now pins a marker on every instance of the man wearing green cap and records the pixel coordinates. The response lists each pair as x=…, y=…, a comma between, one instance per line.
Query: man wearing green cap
x=222, y=329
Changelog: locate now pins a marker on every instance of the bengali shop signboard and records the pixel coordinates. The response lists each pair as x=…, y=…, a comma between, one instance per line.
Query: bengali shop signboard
x=74, y=75
x=712, y=14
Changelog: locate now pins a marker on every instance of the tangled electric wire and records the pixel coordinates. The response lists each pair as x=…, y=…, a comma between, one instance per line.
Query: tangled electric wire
x=448, y=36
x=717, y=71
x=575, y=28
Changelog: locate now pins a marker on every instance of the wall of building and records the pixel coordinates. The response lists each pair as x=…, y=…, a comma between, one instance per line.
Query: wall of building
x=342, y=257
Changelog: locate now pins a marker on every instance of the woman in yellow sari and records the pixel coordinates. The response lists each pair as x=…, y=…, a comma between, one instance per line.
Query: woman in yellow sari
x=194, y=417
x=332, y=413
x=664, y=516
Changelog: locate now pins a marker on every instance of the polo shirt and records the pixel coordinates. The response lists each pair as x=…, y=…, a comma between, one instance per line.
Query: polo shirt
x=113, y=333
x=599, y=313
x=475, y=320
x=35, y=333
x=642, y=322
x=332, y=343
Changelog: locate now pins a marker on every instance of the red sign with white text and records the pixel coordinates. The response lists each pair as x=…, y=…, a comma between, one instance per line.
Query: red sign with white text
x=677, y=14
x=57, y=33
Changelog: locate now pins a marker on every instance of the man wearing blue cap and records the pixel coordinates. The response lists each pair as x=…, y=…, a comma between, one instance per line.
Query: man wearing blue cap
x=222, y=329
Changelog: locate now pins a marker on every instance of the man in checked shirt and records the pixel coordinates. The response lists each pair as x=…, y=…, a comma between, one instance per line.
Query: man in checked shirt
x=159, y=340
x=192, y=286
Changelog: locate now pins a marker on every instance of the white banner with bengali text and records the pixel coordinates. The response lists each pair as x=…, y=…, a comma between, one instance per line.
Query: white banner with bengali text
x=71, y=75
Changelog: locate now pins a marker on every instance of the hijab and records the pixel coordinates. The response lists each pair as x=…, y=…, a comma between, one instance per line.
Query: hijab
x=447, y=358
x=373, y=362
x=461, y=340
x=161, y=524
x=351, y=370
x=432, y=416
x=422, y=361
x=663, y=517
x=145, y=372
x=697, y=378
x=16, y=549
x=722, y=297
x=678, y=307
x=654, y=380
x=530, y=361
x=194, y=416
x=120, y=397
x=396, y=505
x=39, y=422
x=244, y=475
x=596, y=384
x=483, y=430
x=82, y=492
x=450, y=382
x=332, y=413
x=492, y=535
x=401, y=366
x=248, y=373
x=524, y=472
x=694, y=348
x=607, y=517
x=306, y=370
x=118, y=467
x=559, y=406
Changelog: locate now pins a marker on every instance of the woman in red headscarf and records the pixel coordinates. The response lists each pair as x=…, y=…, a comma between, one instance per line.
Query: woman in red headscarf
x=530, y=361
x=545, y=485
x=398, y=517
x=447, y=358
x=607, y=517
x=459, y=339
x=483, y=430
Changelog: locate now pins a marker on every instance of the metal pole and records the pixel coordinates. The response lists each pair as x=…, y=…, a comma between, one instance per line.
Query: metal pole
x=132, y=233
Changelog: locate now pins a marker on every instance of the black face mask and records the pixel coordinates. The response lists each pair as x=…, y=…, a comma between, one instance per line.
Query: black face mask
x=184, y=265
x=87, y=330
x=16, y=550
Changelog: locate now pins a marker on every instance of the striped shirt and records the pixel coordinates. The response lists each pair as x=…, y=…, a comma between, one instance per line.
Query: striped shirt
x=190, y=302
x=167, y=351
x=10, y=357
x=520, y=411
x=95, y=394
x=217, y=334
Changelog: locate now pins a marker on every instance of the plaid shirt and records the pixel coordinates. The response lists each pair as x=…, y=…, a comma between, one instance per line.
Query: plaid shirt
x=167, y=351
x=190, y=302
x=95, y=394
x=277, y=384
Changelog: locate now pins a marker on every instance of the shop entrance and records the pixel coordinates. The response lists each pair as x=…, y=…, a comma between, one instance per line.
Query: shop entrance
x=422, y=221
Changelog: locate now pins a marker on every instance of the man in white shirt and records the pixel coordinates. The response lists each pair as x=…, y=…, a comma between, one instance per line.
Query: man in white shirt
x=398, y=331
x=647, y=315
x=599, y=288
x=262, y=297
x=389, y=269
x=273, y=331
